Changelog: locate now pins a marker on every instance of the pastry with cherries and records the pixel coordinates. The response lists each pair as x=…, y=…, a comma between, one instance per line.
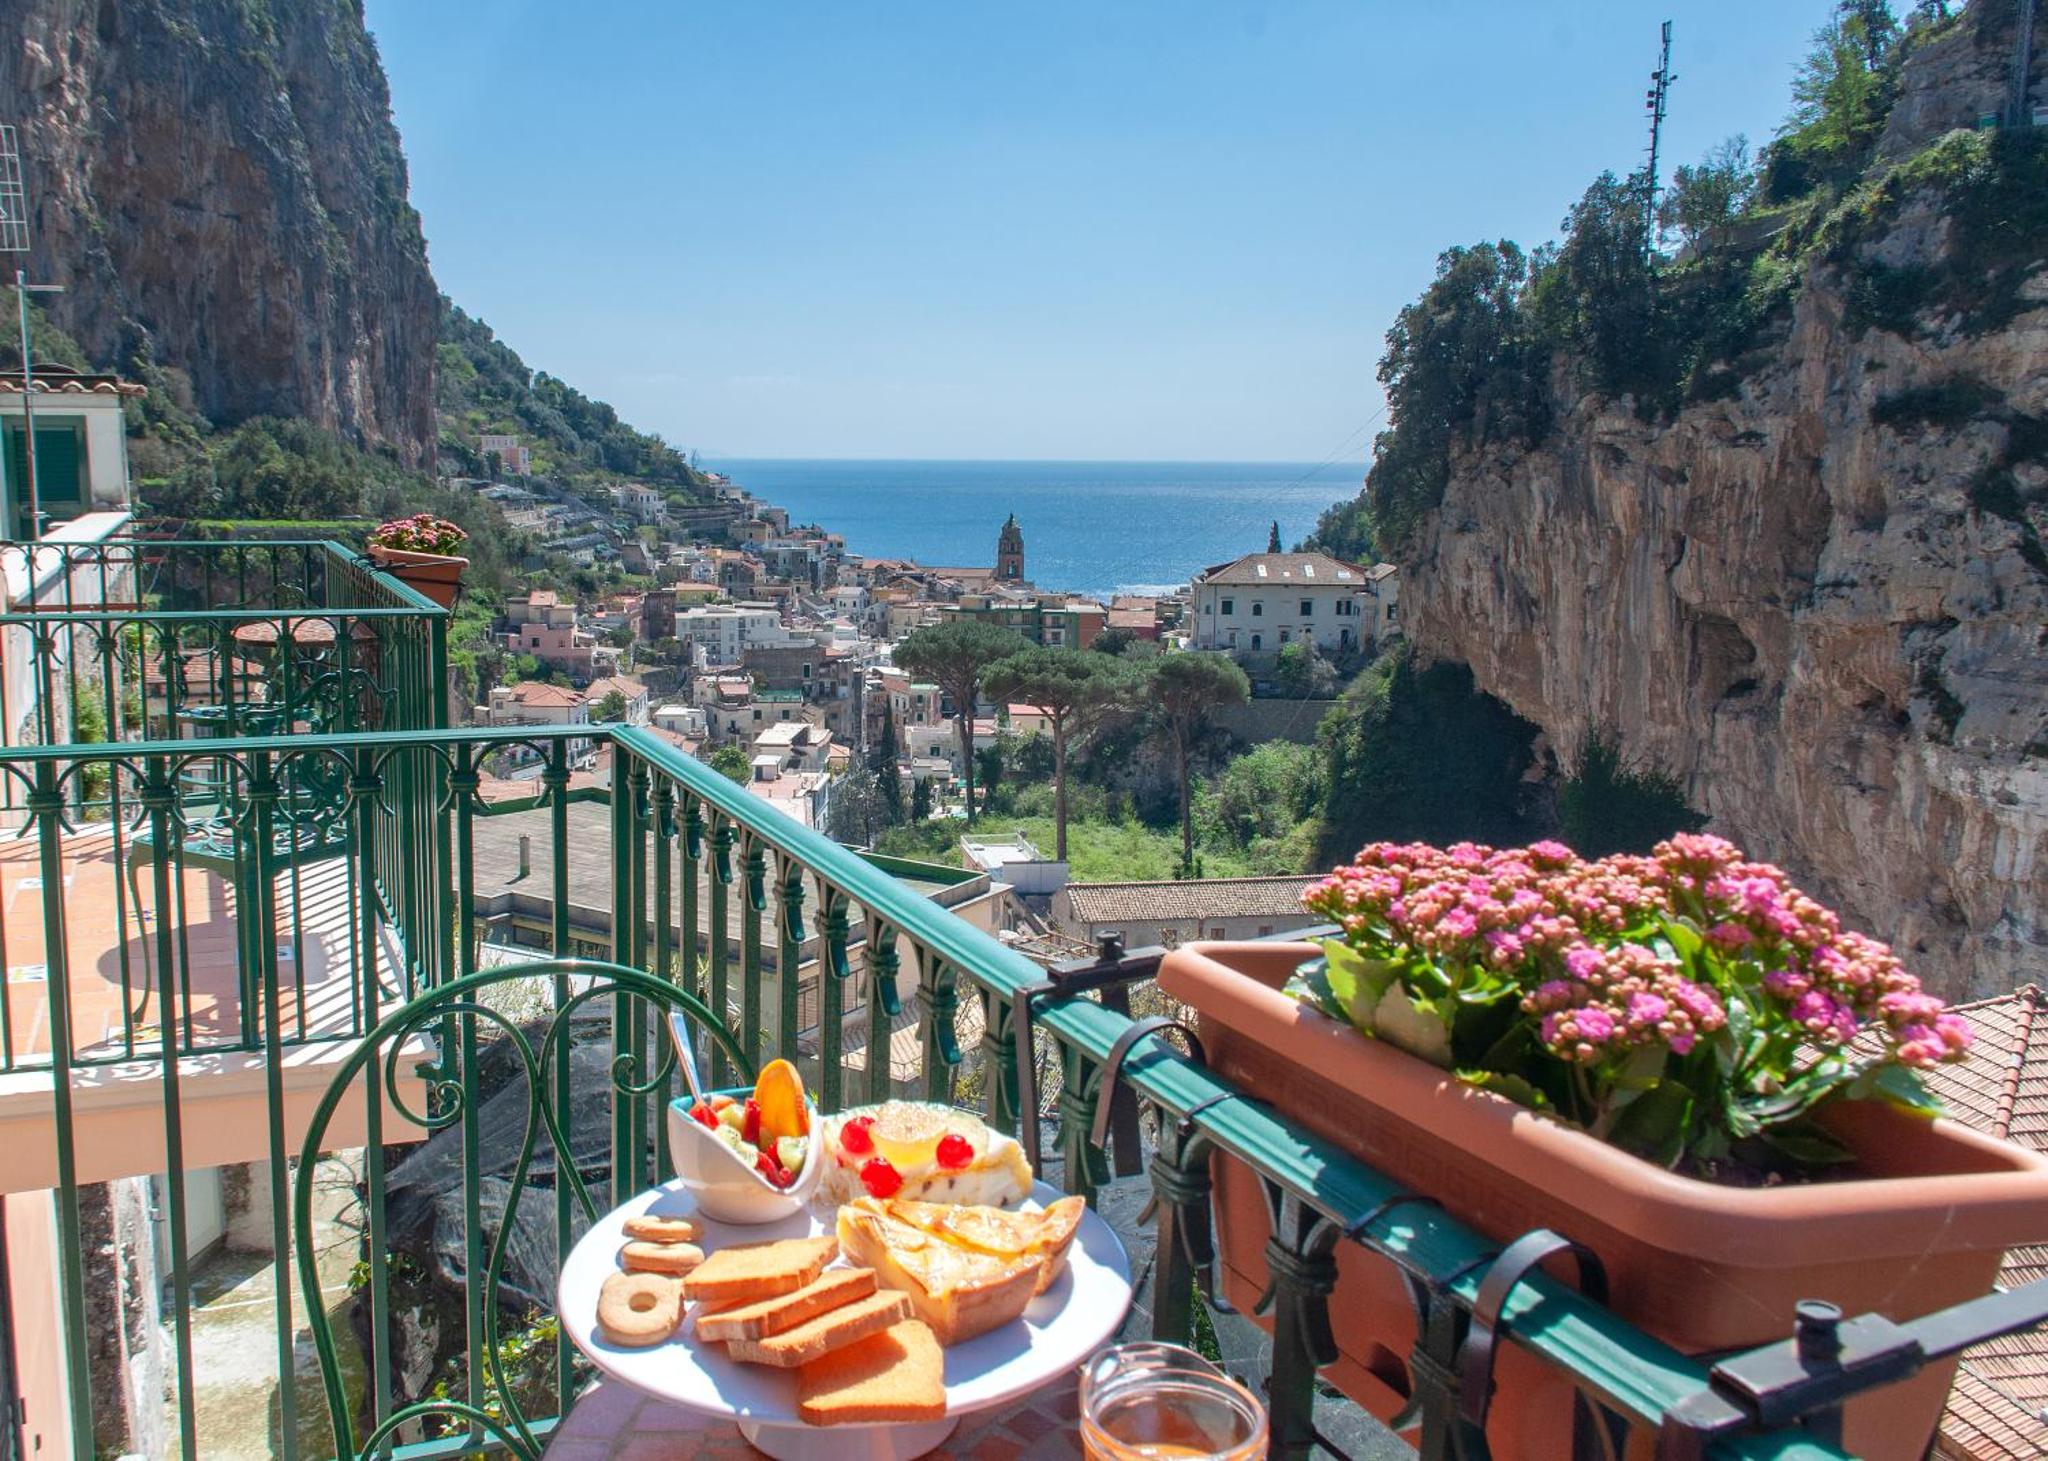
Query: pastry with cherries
x=921, y=1152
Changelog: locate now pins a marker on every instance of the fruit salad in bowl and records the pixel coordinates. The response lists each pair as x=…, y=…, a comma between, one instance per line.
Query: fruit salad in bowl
x=919, y=1151
x=747, y=1155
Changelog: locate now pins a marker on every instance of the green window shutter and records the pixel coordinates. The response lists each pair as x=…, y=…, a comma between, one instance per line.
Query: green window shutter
x=60, y=465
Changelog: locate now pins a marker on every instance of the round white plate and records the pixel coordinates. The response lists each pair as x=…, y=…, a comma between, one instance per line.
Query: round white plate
x=1063, y=1326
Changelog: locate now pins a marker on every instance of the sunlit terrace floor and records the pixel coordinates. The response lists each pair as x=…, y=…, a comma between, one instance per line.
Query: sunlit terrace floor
x=110, y=922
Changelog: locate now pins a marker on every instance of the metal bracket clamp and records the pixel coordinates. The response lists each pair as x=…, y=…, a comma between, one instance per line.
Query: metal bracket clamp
x=1479, y=1348
x=1111, y=969
x=1113, y=1064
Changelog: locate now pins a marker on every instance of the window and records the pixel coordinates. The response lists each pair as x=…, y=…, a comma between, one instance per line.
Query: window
x=1255, y=641
x=1230, y=606
x=1258, y=611
x=1265, y=929
x=1219, y=931
x=536, y=641
x=1308, y=608
x=1285, y=635
x=1233, y=639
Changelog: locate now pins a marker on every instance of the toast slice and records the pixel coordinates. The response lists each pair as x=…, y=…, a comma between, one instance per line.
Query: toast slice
x=1000, y=1232
x=829, y=1290
x=833, y=1329
x=747, y=1272
x=898, y=1375
x=958, y=1292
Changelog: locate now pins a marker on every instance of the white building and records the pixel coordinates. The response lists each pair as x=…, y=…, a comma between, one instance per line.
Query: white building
x=1253, y=607
x=725, y=630
x=81, y=446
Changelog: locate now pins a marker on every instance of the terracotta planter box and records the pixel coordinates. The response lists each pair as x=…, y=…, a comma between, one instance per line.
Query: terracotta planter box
x=437, y=575
x=1701, y=1267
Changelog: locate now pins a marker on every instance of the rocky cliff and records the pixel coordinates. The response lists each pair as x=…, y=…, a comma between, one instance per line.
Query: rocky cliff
x=219, y=187
x=1821, y=600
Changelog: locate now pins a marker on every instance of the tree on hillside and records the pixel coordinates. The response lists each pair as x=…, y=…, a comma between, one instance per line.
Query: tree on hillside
x=1302, y=673
x=730, y=761
x=1273, y=538
x=921, y=801
x=1420, y=755
x=952, y=655
x=1454, y=373
x=1596, y=296
x=1185, y=690
x=882, y=762
x=611, y=706
x=1069, y=686
x=1704, y=199
x=856, y=815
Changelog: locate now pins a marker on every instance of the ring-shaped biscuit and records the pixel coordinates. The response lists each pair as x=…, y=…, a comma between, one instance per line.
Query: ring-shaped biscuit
x=635, y=1310
x=670, y=1258
x=654, y=1228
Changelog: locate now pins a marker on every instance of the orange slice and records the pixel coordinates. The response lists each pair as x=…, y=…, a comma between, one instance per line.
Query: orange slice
x=780, y=1094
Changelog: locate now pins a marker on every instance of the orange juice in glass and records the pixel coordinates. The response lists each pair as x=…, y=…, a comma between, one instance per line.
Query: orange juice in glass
x=1145, y=1401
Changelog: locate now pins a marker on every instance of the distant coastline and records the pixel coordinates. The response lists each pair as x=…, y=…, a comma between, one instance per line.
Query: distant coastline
x=1089, y=527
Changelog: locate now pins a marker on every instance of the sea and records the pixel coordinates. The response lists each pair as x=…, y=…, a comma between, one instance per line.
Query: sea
x=1089, y=527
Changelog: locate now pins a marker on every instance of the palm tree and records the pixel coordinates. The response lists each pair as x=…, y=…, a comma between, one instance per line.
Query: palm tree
x=1185, y=689
x=952, y=655
x=1068, y=686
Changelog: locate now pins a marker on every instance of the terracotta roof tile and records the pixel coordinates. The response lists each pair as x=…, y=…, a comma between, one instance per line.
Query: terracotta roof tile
x=1268, y=569
x=1996, y=1406
x=1210, y=899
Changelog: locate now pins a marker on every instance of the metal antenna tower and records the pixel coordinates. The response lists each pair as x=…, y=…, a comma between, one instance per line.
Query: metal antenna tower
x=14, y=239
x=1656, y=102
x=2020, y=109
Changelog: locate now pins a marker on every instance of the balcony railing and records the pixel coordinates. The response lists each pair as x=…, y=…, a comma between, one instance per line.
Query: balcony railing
x=713, y=897
x=131, y=639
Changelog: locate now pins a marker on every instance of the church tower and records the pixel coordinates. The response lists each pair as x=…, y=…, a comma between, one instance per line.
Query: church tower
x=1010, y=553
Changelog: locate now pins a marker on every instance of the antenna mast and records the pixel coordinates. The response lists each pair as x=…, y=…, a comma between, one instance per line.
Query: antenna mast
x=1655, y=102
x=14, y=239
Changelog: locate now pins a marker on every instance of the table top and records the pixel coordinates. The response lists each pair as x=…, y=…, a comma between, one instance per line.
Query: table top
x=1062, y=1327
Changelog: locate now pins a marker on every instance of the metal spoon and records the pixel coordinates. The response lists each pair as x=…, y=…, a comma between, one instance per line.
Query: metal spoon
x=679, y=1031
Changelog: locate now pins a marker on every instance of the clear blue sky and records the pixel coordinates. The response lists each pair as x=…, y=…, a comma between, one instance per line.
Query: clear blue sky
x=1067, y=229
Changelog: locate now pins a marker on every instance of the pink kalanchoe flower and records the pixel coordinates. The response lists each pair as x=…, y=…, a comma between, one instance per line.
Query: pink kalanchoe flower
x=1729, y=935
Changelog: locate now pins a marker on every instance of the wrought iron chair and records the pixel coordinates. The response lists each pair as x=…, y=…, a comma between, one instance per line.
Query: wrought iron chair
x=641, y=1075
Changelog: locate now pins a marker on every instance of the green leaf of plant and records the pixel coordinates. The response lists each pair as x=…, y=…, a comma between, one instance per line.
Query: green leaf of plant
x=1899, y=1084
x=1654, y=1125
x=1515, y=1088
x=1413, y=1025
x=1807, y=1146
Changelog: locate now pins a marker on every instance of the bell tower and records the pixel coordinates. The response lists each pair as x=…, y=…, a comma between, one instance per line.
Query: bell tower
x=1010, y=553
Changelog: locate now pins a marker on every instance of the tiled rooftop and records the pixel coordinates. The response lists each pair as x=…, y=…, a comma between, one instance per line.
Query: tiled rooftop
x=1211, y=899
x=1995, y=1410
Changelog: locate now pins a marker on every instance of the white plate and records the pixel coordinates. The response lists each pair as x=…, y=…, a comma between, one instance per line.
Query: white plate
x=1063, y=1326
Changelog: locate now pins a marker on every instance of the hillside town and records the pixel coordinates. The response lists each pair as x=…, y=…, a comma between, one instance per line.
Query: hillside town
x=767, y=647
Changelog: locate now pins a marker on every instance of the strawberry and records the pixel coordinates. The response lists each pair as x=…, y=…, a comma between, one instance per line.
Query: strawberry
x=750, y=1124
x=777, y=1174
x=854, y=1136
x=701, y=1114
x=955, y=1151
x=880, y=1179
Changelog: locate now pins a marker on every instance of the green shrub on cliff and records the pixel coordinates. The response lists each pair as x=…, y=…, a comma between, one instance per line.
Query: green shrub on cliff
x=1418, y=754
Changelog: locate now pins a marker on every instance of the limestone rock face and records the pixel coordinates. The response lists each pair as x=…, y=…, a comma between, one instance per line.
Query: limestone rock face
x=221, y=184
x=1799, y=612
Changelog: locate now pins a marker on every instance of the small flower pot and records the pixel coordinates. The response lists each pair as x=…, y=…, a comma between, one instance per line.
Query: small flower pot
x=1703, y=1268
x=437, y=575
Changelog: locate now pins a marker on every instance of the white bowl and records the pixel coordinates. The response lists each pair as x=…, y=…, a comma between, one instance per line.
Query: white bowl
x=725, y=1188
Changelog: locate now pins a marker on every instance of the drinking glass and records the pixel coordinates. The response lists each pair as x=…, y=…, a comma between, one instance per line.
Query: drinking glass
x=1144, y=1401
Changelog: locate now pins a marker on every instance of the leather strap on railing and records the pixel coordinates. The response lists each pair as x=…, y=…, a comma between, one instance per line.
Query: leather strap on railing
x=1476, y=1354
x=1113, y=1062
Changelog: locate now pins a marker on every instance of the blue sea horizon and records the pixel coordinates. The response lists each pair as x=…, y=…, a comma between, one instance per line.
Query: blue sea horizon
x=1089, y=527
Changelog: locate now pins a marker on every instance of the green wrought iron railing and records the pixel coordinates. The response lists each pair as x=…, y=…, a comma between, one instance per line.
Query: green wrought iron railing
x=129, y=639
x=508, y=1100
